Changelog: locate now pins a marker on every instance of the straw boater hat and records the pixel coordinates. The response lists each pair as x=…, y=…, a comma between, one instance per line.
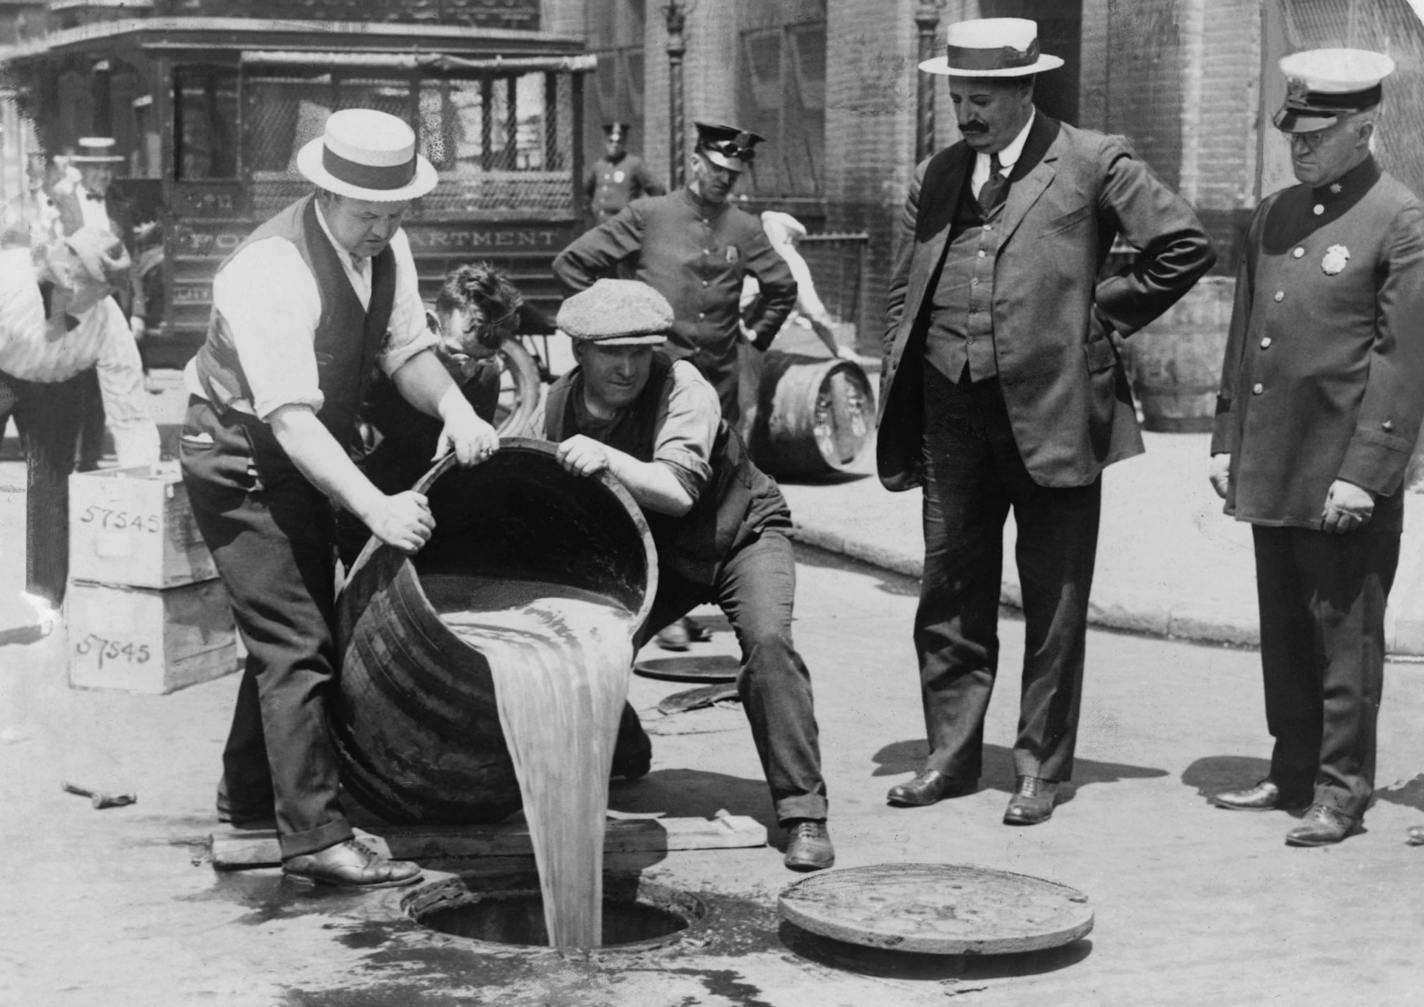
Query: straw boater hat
x=366, y=154
x=616, y=313
x=96, y=150
x=992, y=47
x=1324, y=84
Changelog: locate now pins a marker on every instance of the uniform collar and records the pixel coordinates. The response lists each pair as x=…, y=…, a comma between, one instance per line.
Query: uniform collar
x=701, y=205
x=1351, y=185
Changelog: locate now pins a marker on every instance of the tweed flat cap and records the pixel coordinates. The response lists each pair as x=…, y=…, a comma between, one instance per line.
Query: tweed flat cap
x=616, y=313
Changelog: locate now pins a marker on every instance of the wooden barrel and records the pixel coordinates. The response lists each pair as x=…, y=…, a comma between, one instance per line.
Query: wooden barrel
x=1176, y=360
x=814, y=414
x=415, y=721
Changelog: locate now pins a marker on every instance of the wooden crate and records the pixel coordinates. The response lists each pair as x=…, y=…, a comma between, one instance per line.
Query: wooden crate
x=134, y=527
x=142, y=640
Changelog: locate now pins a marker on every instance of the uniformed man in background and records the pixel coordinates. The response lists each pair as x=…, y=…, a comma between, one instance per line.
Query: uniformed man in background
x=1322, y=394
x=618, y=177
x=694, y=248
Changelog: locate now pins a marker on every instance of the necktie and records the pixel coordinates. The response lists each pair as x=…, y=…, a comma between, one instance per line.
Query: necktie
x=991, y=194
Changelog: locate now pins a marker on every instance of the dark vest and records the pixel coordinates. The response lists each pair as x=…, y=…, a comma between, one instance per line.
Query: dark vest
x=694, y=544
x=961, y=316
x=345, y=365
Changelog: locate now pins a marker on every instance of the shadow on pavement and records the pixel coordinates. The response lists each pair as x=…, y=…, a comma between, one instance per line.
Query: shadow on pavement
x=1213, y=773
x=904, y=757
x=1409, y=793
x=869, y=961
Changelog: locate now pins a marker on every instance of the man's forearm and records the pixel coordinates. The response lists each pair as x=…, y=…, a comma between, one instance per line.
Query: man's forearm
x=424, y=383
x=323, y=461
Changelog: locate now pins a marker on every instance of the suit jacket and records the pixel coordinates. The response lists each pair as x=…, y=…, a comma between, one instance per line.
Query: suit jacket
x=1324, y=371
x=1071, y=193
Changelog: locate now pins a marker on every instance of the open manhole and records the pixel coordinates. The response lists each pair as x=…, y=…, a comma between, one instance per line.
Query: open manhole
x=637, y=915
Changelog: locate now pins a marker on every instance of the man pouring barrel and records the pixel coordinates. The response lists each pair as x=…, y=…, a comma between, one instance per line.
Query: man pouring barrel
x=718, y=522
x=303, y=312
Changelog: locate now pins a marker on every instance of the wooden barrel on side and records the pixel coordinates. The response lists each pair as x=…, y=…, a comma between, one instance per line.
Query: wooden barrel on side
x=415, y=720
x=1176, y=360
x=814, y=414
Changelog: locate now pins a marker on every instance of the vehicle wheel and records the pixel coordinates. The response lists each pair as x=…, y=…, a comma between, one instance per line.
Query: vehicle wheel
x=519, y=391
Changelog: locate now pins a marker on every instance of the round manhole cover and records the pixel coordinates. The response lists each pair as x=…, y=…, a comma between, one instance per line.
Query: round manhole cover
x=938, y=909
x=706, y=669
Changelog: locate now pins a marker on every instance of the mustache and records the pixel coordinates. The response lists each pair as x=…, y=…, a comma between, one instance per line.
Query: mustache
x=974, y=127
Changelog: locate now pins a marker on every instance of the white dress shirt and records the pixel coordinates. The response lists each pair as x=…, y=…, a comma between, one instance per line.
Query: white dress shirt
x=1008, y=157
x=270, y=301
x=35, y=349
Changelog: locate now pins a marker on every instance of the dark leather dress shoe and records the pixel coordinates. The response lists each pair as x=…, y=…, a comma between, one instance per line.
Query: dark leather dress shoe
x=1032, y=801
x=632, y=765
x=928, y=786
x=351, y=864
x=1264, y=796
x=1321, y=826
x=809, y=847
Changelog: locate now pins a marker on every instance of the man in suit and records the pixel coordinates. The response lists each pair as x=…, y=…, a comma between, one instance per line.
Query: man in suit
x=1322, y=395
x=618, y=177
x=1002, y=387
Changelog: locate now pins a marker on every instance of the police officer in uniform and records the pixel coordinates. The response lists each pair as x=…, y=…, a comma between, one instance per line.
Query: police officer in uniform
x=695, y=249
x=1322, y=394
x=618, y=177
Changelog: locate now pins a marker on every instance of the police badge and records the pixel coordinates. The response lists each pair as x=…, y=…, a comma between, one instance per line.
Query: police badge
x=1335, y=258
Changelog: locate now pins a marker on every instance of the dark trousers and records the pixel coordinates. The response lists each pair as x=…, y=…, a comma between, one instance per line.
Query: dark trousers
x=91, y=422
x=272, y=540
x=1322, y=600
x=973, y=475
x=756, y=587
x=47, y=415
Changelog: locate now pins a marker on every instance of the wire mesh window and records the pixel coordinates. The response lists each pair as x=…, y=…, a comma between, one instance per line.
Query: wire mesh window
x=782, y=95
x=497, y=140
x=205, y=118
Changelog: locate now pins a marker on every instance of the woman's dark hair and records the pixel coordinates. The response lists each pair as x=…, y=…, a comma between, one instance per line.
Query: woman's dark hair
x=487, y=297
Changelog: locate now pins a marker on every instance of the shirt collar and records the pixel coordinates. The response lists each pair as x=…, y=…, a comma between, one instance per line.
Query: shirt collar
x=1009, y=156
x=351, y=259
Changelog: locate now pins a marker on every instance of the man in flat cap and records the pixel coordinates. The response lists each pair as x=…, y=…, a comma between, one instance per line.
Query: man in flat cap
x=695, y=249
x=719, y=524
x=618, y=177
x=1322, y=395
x=1002, y=387
x=305, y=310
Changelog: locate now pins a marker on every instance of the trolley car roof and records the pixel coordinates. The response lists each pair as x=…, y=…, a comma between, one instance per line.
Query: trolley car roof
x=430, y=45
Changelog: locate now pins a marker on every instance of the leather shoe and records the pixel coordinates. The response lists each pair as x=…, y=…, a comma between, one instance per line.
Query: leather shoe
x=809, y=846
x=928, y=786
x=1264, y=796
x=351, y=864
x=1321, y=826
x=632, y=765
x=1032, y=801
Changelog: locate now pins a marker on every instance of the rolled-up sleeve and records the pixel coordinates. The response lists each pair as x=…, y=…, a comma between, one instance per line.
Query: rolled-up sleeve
x=687, y=421
x=408, y=334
